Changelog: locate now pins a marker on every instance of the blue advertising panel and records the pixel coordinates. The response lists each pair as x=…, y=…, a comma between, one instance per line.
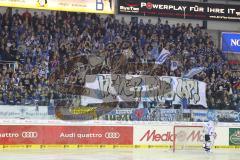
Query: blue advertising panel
x=231, y=42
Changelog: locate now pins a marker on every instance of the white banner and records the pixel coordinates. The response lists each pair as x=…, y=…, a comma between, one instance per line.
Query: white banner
x=112, y=88
x=198, y=115
x=24, y=112
x=219, y=115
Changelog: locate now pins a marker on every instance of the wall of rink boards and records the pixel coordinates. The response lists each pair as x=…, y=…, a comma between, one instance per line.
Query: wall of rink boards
x=106, y=134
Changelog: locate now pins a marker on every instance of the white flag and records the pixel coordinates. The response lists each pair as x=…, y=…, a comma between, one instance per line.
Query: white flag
x=174, y=65
x=163, y=56
x=193, y=72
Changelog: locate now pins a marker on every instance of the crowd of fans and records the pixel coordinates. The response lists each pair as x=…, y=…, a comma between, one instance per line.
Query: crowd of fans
x=39, y=43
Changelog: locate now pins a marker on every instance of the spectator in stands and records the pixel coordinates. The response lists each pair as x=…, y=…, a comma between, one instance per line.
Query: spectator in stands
x=41, y=43
x=184, y=102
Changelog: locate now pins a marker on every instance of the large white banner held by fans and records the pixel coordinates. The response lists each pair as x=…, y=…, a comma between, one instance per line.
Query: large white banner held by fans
x=104, y=88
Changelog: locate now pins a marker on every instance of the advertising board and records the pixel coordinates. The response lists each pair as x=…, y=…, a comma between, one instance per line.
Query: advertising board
x=160, y=134
x=219, y=115
x=25, y=112
x=180, y=9
x=234, y=136
x=30, y=134
x=230, y=42
x=92, y=6
x=163, y=135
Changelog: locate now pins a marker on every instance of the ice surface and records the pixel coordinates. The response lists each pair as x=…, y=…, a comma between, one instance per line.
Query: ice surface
x=116, y=154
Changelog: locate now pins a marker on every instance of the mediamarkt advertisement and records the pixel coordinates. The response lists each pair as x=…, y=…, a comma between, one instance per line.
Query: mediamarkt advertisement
x=183, y=9
x=164, y=135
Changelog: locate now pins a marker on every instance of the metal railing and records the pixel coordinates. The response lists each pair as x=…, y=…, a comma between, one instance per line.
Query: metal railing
x=8, y=64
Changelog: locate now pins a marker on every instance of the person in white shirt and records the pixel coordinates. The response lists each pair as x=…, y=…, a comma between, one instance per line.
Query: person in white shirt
x=209, y=135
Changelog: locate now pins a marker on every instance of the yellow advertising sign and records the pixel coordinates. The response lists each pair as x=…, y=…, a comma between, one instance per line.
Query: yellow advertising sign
x=91, y=6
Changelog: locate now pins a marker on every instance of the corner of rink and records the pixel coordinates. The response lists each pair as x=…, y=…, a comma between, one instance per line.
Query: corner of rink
x=55, y=134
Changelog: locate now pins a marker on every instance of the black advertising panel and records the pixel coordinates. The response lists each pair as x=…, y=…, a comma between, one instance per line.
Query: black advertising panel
x=180, y=9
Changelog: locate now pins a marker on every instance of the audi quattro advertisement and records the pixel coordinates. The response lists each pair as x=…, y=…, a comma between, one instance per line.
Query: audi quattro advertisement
x=12, y=135
x=183, y=9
